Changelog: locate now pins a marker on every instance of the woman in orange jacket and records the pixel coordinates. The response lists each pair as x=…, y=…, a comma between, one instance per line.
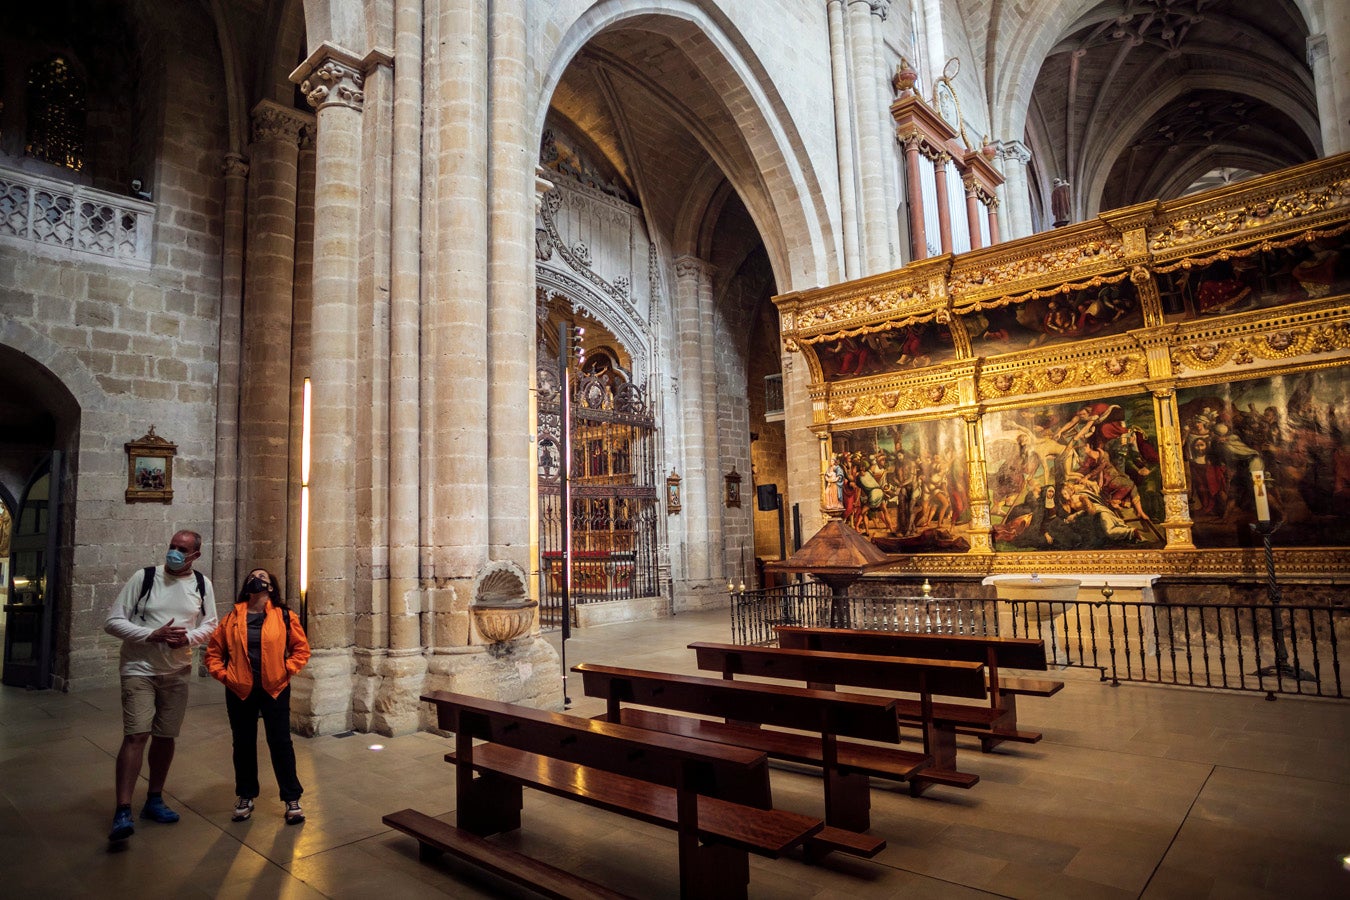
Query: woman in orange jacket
x=254, y=652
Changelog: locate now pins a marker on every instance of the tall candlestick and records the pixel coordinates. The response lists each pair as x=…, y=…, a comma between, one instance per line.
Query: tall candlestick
x=1259, y=489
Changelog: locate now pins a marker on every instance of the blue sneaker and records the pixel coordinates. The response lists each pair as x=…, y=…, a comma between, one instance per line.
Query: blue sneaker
x=123, y=827
x=156, y=810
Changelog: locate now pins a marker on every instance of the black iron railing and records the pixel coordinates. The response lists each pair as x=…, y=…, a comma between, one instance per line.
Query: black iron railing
x=1228, y=646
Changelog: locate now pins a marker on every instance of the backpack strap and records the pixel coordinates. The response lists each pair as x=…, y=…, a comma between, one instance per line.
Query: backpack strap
x=147, y=582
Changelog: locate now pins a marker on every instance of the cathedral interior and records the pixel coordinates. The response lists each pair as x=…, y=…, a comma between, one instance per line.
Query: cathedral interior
x=602, y=309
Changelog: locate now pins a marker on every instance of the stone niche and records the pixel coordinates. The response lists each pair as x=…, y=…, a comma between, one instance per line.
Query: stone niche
x=508, y=660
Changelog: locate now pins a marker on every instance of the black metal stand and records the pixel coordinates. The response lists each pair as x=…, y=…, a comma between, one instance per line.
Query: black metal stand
x=1282, y=668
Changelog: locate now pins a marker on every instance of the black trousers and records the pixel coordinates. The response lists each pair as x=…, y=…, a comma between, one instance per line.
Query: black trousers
x=276, y=717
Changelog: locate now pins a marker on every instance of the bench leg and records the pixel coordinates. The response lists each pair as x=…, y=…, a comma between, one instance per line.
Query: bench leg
x=940, y=744
x=490, y=805
x=848, y=800
x=713, y=871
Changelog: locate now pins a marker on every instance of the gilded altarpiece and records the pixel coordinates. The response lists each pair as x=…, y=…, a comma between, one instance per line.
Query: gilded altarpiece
x=1104, y=387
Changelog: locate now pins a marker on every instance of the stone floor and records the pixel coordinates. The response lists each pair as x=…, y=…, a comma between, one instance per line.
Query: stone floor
x=1134, y=792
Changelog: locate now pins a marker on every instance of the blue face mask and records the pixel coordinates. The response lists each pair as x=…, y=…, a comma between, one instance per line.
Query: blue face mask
x=175, y=559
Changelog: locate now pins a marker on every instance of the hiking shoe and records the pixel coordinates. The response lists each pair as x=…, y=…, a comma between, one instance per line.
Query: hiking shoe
x=294, y=814
x=243, y=808
x=123, y=827
x=155, y=810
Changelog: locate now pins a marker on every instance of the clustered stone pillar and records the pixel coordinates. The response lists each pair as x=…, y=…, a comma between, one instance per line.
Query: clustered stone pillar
x=880, y=230
x=689, y=272
x=1013, y=159
x=301, y=318
x=843, y=138
x=264, y=404
x=455, y=320
x=395, y=709
x=226, y=512
x=332, y=81
x=511, y=312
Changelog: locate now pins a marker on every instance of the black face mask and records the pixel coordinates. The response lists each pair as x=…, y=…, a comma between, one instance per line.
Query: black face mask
x=255, y=585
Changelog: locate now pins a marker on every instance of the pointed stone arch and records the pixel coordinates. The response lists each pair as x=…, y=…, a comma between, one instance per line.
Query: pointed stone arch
x=764, y=158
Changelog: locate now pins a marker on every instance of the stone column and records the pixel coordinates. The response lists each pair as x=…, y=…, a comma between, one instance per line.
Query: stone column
x=843, y=138
x=871, y=181
x=332, y=80
x=511, y=307
x=713, y=528
x=944, y=210
x=402, y=668
x=301, y=318
x=264, y=403
x=224, y=551
x=1319, y=60
x=881, y=122
x=455, y=412
x=1013, y=158
x=689, y=272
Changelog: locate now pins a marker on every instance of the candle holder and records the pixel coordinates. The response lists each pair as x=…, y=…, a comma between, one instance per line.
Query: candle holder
x=1282, y=667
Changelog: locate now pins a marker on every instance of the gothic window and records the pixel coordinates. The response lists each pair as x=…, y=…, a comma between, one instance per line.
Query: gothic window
x=56, y=114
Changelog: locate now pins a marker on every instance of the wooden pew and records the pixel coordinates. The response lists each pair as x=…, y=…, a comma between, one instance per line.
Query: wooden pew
x=925, y=677
x=715, y=796
x=997, y=653
x=826, y=714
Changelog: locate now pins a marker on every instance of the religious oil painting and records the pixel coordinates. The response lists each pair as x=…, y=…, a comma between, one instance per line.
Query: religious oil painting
x=894, y=350
x=1256, y=278
x=904, y=487
x=1299, y=427
x=1075, y=476
x=1045, y=321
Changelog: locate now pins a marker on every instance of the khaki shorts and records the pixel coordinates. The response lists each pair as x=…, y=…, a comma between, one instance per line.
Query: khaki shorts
x=154, y=703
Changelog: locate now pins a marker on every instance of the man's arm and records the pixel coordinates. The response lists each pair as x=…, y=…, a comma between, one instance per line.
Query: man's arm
x=118, y=622
x=202, y=633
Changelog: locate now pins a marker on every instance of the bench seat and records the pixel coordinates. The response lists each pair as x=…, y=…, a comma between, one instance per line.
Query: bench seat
x=434, y=836
x=767, y=832
x=881, y=762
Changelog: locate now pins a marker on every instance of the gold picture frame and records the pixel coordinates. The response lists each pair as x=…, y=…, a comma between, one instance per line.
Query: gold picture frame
x=150, y=469
x=733, y=485
x=672, y=493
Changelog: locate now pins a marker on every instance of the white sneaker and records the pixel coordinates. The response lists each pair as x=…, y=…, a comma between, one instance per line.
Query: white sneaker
x=294, y=814
x=243, y=808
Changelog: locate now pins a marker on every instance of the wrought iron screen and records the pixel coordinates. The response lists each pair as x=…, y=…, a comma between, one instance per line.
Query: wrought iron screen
x=613, y=489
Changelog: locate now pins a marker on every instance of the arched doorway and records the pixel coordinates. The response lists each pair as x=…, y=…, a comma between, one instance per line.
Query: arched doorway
x=39, y=427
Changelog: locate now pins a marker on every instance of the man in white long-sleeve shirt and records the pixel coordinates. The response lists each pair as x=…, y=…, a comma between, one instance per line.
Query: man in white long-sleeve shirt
x=160, y=615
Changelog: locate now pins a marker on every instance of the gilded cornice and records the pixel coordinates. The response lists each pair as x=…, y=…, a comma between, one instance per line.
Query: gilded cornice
x=1299, y=199
x=1139, y=243
x=1244, y=564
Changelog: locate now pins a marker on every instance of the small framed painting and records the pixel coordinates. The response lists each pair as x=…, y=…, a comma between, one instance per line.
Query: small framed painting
x=672, y=493
x=150, y=469
x=733, y=482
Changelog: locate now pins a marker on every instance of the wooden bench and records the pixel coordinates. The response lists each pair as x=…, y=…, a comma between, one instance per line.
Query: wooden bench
x=747, y=706
x=997, y=653
x=715, y=796
x=925, y=677
x=434, y=836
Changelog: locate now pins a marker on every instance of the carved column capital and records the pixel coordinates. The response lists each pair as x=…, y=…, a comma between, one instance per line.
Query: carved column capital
x=1014, y=151
x=880, y=8
x=234, y=166
x=1317, y=49
x=333, y=76
x=693, y=267
x=274, y=123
